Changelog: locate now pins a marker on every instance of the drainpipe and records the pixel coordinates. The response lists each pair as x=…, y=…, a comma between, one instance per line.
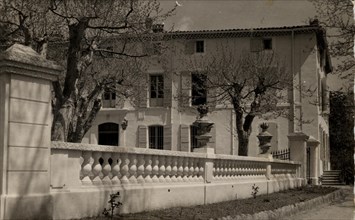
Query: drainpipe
x=292, y=127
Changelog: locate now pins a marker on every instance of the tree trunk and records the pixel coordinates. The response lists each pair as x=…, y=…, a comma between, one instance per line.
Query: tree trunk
x=62, y=115
x=243, y=130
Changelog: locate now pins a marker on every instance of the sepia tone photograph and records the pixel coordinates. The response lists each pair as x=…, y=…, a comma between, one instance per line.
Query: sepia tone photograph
x=188, y=109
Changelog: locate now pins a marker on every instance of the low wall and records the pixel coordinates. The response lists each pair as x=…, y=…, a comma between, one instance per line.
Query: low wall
x=83, y=176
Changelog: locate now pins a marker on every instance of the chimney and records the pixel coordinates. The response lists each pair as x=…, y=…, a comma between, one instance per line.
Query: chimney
x=158, y=28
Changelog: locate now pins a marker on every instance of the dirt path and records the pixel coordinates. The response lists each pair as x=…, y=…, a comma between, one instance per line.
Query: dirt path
x=340, y=210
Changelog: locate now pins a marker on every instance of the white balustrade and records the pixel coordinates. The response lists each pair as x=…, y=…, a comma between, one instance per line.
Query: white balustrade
x=125, y=166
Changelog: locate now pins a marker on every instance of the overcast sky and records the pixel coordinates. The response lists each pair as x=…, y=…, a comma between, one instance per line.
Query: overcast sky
x=214, y=14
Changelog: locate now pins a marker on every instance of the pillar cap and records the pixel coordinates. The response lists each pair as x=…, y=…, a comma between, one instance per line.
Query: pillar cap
x=298, y=136
x=23, y=60
x=312, y=142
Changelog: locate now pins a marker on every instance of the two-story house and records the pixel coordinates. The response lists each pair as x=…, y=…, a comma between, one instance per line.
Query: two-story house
x=163, y=119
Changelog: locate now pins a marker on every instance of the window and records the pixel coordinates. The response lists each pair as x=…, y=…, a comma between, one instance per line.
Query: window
x=193, y=139
x=108, y=134
x=109, y=99
x=259, y=44
x=267, y=44
x=157, y=48
x=198, y=91
x=200, y=46
x=156, y=137
x=156, y=90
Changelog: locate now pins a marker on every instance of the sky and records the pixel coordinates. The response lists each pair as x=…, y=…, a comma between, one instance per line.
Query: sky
x=214, y=14
x=234, y=14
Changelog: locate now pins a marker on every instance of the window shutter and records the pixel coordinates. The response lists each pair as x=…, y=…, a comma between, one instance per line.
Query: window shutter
x=190, y=47
x=143, y=93
x=273, y=130
x=256, y=45
x=184, y=138
x=185, y=95
x=212, y=141
x=142, y=136
x=167, y=137
x=167, y=90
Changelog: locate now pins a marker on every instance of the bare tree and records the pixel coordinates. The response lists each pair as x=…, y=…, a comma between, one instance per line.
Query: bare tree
x=93, y=40
x=252, y=83
x=337, y=17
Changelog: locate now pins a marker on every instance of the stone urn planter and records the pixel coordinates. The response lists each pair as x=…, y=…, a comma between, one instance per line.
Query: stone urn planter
x=264, y=139
x=204, y=126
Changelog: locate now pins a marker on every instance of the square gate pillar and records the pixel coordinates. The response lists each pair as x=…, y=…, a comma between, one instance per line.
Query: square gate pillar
x=313, y=144
x=25, y=133
x=298, y=152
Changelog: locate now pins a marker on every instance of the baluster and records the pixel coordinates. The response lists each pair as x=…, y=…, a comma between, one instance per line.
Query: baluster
x=243, y=170
x=124, y=169
x=115, y=169
x=140, y=169
x=233, y=170
x=96, y=168
x=191, y=169
x=148, y=169
x=229, y=169
x=197, y=170
x=174, y=169
x=201, y=170
x=222, y=170
x=133, y=168
x=155, y=170
x=180, y=171
x=86, y=167
x=161, y=169
x=168, y=169
x=186, y=170
x=217, y=170
x=106, y=169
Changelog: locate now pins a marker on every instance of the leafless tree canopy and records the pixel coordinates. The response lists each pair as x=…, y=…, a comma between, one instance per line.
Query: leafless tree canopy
x=252, y=83
x=337, y=17
x=92, y=39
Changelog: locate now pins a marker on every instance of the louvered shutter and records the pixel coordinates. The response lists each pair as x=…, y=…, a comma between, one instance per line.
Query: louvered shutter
x=167, y=90
x=184, y=138
x=189, y=47
x=143, y=92
x=273, y=130
x=142, y=136
x=212, y=141
x=185, y=94
x=167, y=137
x=256, y=45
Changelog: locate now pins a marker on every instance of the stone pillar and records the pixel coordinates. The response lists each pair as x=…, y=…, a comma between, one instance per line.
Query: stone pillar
x=313, y=144
x=25, y=132
x=298, y=152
